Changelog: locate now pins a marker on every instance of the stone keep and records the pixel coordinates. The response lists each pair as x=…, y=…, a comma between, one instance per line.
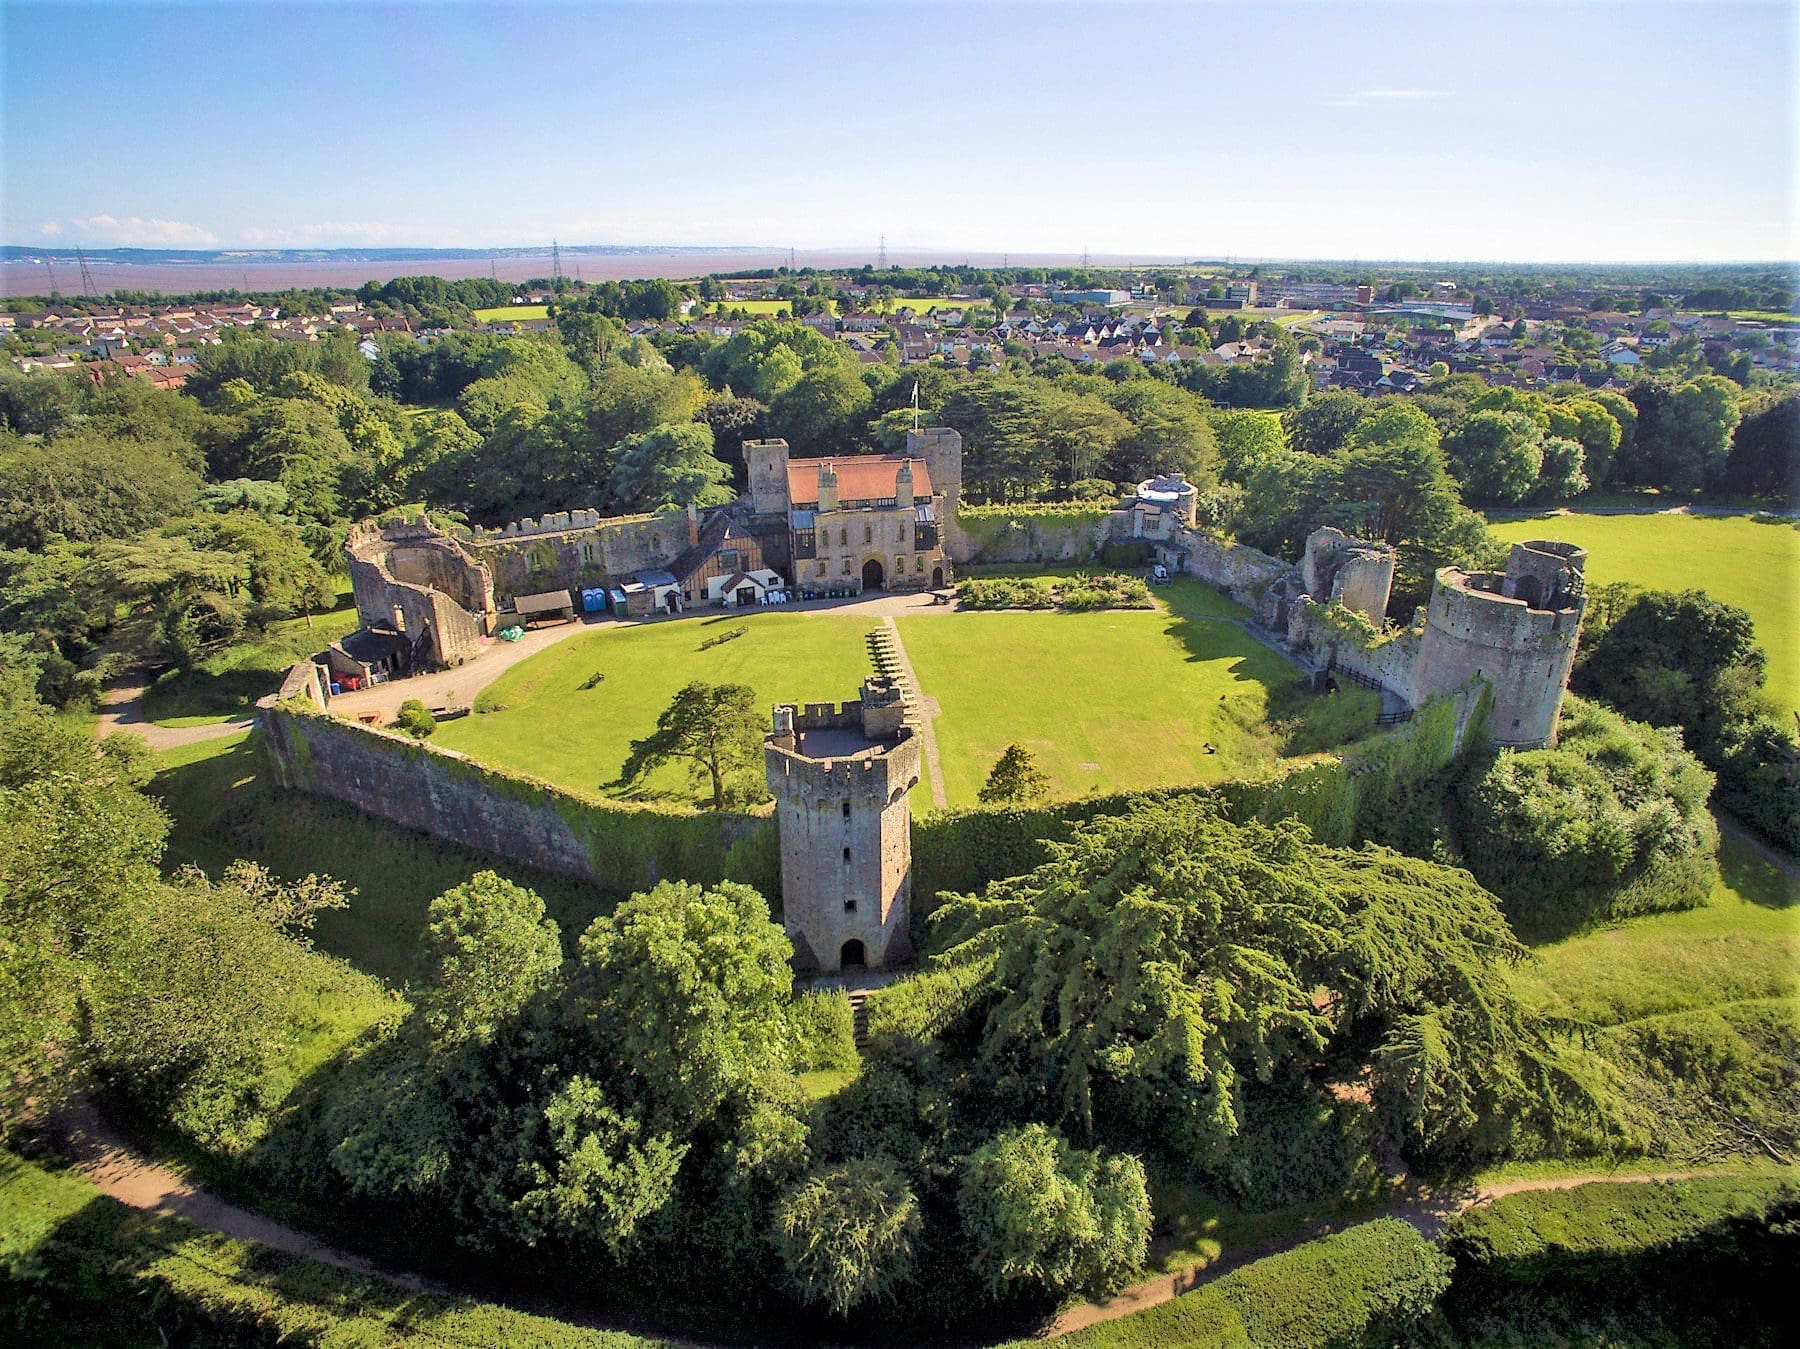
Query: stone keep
x=840, y=778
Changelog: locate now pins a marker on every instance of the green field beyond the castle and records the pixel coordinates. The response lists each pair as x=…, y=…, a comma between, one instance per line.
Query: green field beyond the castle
x=1752, y=562
x=1107, y=701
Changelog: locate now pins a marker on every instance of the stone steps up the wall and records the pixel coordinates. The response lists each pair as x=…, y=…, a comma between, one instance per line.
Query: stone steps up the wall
x=859, y=1014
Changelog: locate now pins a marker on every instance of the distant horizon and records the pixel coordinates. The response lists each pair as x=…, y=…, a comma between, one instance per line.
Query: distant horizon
x=987, y=257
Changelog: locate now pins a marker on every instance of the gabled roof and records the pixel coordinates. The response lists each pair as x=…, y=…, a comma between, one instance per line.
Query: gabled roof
x=862, y=477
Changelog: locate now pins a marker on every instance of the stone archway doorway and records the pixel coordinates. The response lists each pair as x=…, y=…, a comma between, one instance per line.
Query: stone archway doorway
x=874, y=576
x=937, y=578
x=853, y=956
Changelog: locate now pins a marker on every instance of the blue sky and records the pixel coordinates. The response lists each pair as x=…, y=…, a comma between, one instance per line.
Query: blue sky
x=1257, y=128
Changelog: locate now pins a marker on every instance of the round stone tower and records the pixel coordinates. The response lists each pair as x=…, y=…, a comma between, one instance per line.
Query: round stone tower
x=840, y=778
x=1517, y=629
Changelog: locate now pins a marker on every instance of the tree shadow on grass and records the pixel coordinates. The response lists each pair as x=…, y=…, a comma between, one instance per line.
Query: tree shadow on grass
x=226, y=806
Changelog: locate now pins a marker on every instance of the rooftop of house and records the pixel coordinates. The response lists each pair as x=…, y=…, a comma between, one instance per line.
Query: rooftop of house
x=861, y=477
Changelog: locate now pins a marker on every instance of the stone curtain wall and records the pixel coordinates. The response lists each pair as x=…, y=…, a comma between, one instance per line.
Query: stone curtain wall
x=1240, y=572
x=617, y=847
x=611, y=550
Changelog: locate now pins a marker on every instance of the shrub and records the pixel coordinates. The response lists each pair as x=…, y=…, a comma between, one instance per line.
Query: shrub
x=1043, y=1217
x=415, y=719
x=1612, y=822
x=846, y=1234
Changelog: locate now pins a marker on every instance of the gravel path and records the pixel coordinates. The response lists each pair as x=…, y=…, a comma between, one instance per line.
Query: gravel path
x=99, y=1153
x=122, y=709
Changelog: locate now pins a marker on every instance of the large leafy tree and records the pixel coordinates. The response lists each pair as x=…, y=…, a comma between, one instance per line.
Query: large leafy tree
x=78, y=842
x=486, y=949
x=715, y=730
x=1169, y=433
x=1679, y=660
x=84, y=487
x=822, y=412
x=1162, y=959
x=670, y=466
x=1324, y=422
x=1497, y=456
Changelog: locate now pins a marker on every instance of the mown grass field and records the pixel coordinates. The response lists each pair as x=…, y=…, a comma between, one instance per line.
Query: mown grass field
x=1106, y=701
x=1740, y=559
x=579, y=738
x=515, y=313
x=762, y=307
x=228, y=683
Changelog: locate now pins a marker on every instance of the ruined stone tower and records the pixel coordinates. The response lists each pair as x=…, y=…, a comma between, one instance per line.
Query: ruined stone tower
x=1517, y=629
x=840, y=778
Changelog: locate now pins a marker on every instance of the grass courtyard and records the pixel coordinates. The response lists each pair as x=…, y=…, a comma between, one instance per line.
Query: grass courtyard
x=1106, y=701
x=549, y=726
x=1749, y=561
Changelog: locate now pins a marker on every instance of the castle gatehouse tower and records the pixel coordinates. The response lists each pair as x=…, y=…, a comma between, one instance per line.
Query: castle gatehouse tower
x=840, y=778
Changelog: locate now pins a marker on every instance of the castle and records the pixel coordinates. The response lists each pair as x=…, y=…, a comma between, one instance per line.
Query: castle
x=862, y=522
x=1516, y=628
x=428, y=594
x=840, y=778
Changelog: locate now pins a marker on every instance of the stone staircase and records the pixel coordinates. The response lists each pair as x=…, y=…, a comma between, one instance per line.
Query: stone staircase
x=884, y=656
x=859, y=1013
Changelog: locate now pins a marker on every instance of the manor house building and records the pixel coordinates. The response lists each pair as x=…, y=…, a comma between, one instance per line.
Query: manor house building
x=862, y=522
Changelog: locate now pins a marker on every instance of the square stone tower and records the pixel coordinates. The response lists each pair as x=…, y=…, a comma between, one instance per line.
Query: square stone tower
x=840, y=778
x=766, y=462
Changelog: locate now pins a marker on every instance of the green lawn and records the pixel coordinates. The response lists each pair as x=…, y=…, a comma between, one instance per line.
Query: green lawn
x=1742, y=946
x=579, y=739
x=1744, y=560
x=762, y=307
x=228, y=683
x=515, y=313
x=1107, y=701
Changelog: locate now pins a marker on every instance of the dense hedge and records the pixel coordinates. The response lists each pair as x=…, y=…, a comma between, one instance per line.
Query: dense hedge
x=1628, y=1263
x=920, y=1006
x=824, y=1032
x=1365, y=1283
x=79, y=1268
